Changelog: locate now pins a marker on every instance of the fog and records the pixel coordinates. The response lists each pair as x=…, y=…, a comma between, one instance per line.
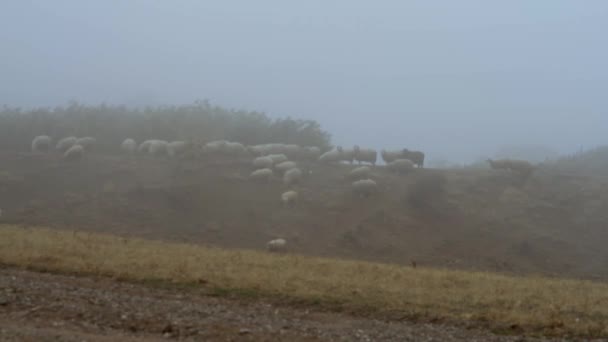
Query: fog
x=456, y=79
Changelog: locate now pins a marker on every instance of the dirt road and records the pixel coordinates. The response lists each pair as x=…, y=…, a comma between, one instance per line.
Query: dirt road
x=47, y=307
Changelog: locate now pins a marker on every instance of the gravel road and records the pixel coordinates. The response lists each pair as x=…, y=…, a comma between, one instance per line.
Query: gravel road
x=47, y=307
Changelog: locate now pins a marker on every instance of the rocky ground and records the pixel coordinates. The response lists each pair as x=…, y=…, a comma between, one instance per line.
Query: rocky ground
x=46, y=307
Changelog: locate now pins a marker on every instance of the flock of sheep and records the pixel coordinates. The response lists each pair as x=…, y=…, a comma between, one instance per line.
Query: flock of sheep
x=270, y=160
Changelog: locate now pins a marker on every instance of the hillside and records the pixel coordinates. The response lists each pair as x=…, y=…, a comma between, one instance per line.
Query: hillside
x=551, y=224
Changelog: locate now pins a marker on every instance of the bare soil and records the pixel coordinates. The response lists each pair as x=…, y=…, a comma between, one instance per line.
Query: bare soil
x=46, y=307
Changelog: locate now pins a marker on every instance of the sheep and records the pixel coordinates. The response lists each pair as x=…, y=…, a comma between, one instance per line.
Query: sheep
x=74, y=153
x=285, y=166
x=276, y=245
x=158, y=148
x=214, y=146
x=346, y=155
x=176, y=148
x=332, y=156
x=310, y=153
x=415, y=156
x=289, y=198
x=389, y=156
x=233, y=148
x=86, y=142
x=400, y=166
x=365, y=155
x=277, y=158
x=41, y=144
x=263, y=162
x=129, y=146
x=263, y=175
x=520, y=166
x=360, y=172
x=292, y=176
x=364, y=187
x=144, y=147
x=65, y=143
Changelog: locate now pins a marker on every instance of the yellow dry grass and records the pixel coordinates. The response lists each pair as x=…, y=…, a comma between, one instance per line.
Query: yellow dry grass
x=533, y=304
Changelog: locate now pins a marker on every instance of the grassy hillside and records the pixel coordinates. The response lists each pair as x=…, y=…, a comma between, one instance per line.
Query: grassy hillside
x=466, y=219
x=531, y=304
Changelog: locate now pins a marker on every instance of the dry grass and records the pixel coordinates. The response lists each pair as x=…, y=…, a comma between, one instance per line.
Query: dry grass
x=533, y=304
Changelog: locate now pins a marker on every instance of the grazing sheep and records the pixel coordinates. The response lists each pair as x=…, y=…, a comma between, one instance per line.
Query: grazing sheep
x=41, y=144
x=364, y=187
x=332, y=156
x=276, y=245
x=389, y=156
x=263, y=175
x=310, y=153
x=129, y=146
x=176, y=148
x=159, y=148
x=74, y=153
x=365, y=155
x=400, y=166
x=415, y=156
x=234, y=148
x=347, y=155
x=86, y=142
x=289, y=198
x=285, y=166
x=520, y=166
x=360, y=172
x=216, y=146
x=65, y=143
x=277, y=158
x=263, y=162
x=144, y=147
x=292, y=176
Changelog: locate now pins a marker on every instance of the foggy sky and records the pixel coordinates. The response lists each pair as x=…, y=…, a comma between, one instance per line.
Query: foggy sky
x=456, y=79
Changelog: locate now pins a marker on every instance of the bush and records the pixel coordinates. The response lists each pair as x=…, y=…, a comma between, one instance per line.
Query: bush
x=112, y=124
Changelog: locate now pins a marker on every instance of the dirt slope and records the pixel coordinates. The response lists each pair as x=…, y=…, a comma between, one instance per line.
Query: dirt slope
x=474, y=219
x=44, y=307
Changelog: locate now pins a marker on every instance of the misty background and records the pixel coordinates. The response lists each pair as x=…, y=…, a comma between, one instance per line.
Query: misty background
x=456, y=79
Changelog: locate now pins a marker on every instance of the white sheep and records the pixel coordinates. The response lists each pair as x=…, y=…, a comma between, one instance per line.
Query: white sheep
x=214, y=146
x=292, y=176
x=289, y=198
x=176, y=148
x=86, y=142
x=285, y=166
x=360, y=172
x=364, y=187
x=129, y=146
x=389, y=156
x=65, y=143
x=310, y=152
x=277, y=158
x=332, y=156
x=234, y=148
x=347, y=155
x=41, y=144
x=74, y=153
x=400, y=166
x=263, y=162
x=264, y=175
x=144, y=147
x=365, y=155
x=158, y=148
x=276, y=245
